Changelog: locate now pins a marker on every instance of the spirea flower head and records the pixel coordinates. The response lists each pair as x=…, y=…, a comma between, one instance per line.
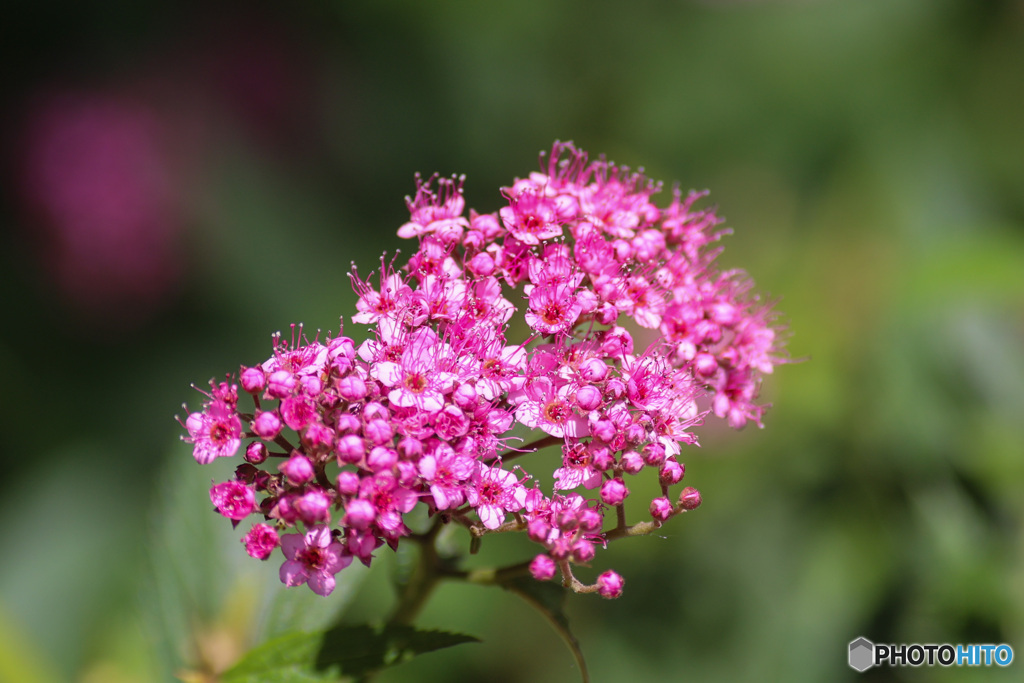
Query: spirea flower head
x=631, y=337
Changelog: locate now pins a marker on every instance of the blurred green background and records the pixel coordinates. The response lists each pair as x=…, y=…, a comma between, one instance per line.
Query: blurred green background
x=181, y=179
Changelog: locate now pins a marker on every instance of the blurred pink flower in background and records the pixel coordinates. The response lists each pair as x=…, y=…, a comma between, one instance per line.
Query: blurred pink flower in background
x=105, y=210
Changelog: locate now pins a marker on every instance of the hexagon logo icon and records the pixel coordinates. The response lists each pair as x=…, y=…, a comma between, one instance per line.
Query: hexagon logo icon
x=862, y=654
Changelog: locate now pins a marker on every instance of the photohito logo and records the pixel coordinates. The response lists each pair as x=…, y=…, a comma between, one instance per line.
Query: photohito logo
x=864, y=654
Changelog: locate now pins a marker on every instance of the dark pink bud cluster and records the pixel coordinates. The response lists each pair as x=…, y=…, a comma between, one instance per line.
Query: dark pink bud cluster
x=625, y=330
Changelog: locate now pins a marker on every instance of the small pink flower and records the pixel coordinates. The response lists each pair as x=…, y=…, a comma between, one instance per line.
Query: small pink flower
x=494, y=492
x=214, y=433
x=261, y=541
x=314, y=558
x=233, y=499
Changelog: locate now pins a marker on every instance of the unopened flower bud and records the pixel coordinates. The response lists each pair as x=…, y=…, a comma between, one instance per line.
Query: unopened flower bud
x=604, y=430
x=298, y=469
x=346, y=423
x=348, y=483
x=280, y=384
x=410, y=448
x=538, y=530
x=566, y=520
x=481, y=265
x=689, y=498
x=465, y=396
x=582, y=551
x=588, y=398
x=381, y=458
x=350, y=449
x=654, y=454
x=256, y=452
x=594, y=370
x=635, y=433
x=590, y=520
x=267, y=425
x=601, y=457
x=671, y=472
x=616, y=388
x=632, y=462
x=705, y=365
x=359, y=514
x=379, y=432
x=613, y=492
x=253, y=380
x=313, y=506
x=351, y=388
x=610, y=584
x=661, y=509
x=543, y=568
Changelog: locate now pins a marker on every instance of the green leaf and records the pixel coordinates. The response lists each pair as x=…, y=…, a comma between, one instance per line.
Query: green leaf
x=350, y=651
x=549, y=599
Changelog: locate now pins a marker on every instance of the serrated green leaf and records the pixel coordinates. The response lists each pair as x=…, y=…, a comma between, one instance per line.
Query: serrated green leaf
x=549, y=600
x=350, y=651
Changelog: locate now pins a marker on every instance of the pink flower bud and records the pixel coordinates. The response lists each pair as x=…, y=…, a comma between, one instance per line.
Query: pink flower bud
x=267, y=425
x=317, y=435
x=346, y=423
x=298, y=469
x=408, y=474
x=725, y=314
x=566, y=520
x=671, y=472
x=588, y=397
x=348, y=483
x=350, y=449
x=705, y=365
x=654, y=454
x=631, y=461
x=613, y=492
x=582, y=551
x=341, y=347
x=481, y=265
x=607, y=314
x=635, y=433
x=381, y=458
x=351, y=388
x=610, y=585
x=538, y=530
x=253, y=380
x=543, y=568
x=689, y=498
x=601, y=457
x=465, y=396
x=379, y=432
x=359, y=514
x=281, y=383
x=616, y=388
x=410, y=448
x=590, y=520
x=604, y=430
x=311, y=385
x=261, y=541
x=313, y=506
x=256, y=452
x=661, y=509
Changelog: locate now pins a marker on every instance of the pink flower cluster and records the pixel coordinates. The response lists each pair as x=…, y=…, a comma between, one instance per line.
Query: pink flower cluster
x=428, y=410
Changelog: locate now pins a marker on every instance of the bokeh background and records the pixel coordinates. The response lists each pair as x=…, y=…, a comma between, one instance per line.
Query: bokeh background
x=181, y=179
